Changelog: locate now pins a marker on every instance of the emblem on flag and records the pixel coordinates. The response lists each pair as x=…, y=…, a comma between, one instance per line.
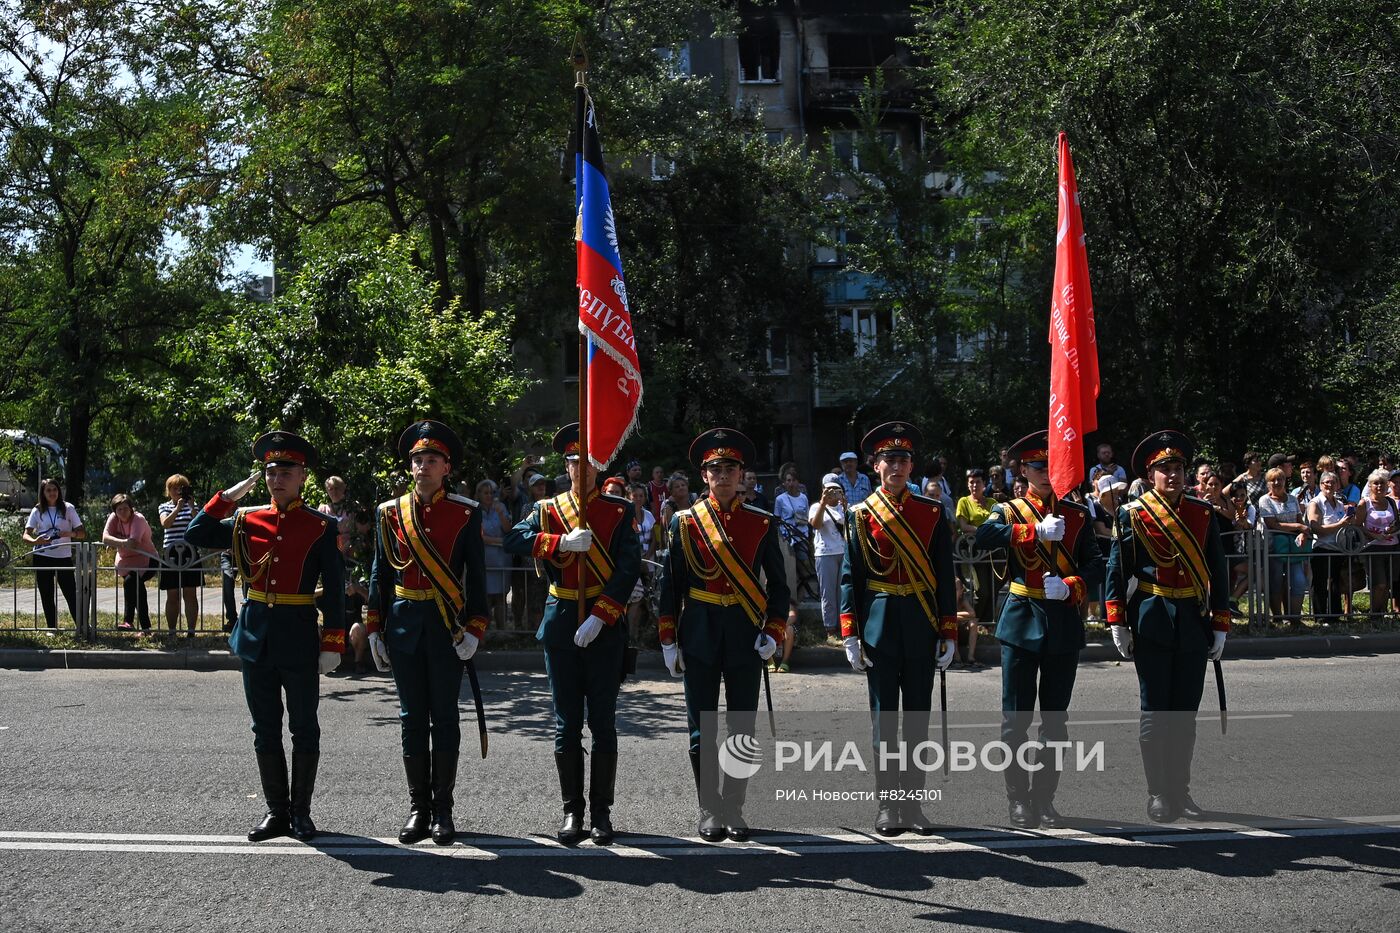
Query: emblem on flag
x=605, y=317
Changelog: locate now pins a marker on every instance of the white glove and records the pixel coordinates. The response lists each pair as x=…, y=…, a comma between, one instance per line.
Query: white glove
x=1050, y=528
x=765, y=646
x=467, y=646
x=1123, y=641
x=241, y=489
x=378, y=652
x=853, y=654
x=588, y=631
x=945, y=652
x=328, y=661
x=671, y=654
x=1055, y=588
x=579, y=541
x=1217, y=650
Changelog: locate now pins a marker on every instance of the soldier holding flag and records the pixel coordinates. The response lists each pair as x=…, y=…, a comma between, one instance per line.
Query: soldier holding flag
x=720, y=620
x=898, y=614
x=584, y=662
x=1167, y=600
x=1052, y=561
x=426, y=615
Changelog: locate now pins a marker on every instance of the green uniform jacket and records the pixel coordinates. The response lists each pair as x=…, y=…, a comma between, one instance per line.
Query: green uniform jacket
x=538, y=536
x=1028, y=621
x=1156, y=618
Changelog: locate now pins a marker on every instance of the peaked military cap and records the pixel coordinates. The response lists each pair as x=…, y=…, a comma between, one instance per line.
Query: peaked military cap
x=721, y=444
x=892, y=436
x=430, y=435
x=566, y=441
x=283, y=448
x=1033, y=448
x=1162, y=447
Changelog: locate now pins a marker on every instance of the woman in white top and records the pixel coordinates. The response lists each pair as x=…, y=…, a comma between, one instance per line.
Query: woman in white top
x=51, y=528
x=1328, y=513
x=1285, y=531
x=827, y=516
x=1376, y=515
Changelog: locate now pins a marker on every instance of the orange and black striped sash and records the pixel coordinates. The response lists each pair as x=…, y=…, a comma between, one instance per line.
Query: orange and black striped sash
x=600, y=562
x=1026, y=513
x=909, y=550
x=740, y=575
x=447, y=592
x=1188, y=549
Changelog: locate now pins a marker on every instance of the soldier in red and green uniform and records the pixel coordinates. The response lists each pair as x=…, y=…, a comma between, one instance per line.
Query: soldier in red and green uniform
x=1167, y=599
x=724, y=604
x=282, y=550
x=898, y=613
x=426, y=615
x=1052, y=563
x=584, y=661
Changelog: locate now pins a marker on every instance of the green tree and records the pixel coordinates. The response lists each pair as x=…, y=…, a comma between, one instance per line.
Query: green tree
x=103, y=158
x=351, y=353
x=1236, y=165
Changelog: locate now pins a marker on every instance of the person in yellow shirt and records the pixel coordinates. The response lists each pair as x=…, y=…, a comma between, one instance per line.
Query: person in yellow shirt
x=972, y=510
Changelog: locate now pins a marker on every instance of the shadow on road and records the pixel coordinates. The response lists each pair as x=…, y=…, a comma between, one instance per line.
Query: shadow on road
x=517, y=703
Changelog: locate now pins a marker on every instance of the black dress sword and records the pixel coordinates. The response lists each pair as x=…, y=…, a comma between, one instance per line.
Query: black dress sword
x=472, y=679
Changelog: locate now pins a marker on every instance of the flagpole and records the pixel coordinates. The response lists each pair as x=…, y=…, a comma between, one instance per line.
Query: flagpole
x=580, y=61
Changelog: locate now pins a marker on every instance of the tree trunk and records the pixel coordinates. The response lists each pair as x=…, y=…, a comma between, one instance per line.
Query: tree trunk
x=79, y=433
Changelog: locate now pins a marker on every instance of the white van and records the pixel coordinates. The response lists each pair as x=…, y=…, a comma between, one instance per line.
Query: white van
x=25, y=459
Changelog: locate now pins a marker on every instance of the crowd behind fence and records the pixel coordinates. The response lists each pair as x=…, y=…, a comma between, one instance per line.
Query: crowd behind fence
x=1273, y=587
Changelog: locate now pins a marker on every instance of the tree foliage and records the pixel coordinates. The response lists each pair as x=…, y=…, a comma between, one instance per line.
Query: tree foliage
x=1236, y=164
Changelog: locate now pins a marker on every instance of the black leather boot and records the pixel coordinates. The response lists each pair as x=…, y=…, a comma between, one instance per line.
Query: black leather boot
x=1019, y=809
x=272, y=771
x=911, y=810
x=1151, y=743
x=602, y=779
x=1022, y=813
x=711, y=826
x=888, y=817
x=734, y=794
x=570, y=767
x=303, y=786
x=1050, y=818
x=420, y=799
x=444, y=781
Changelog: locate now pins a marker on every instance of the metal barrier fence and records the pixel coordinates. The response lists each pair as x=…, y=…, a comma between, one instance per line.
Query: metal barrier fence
x=1274, y=581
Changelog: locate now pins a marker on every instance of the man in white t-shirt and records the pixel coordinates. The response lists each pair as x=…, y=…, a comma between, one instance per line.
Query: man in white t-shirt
x=827, y=516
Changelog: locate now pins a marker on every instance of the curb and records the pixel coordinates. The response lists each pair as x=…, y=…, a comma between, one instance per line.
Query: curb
x=818, y=657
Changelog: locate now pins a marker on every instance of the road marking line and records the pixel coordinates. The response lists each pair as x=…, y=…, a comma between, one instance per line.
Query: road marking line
x=671, y=847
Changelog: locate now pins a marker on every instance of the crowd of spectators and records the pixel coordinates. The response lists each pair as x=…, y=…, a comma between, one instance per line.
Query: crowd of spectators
x=1326, y=536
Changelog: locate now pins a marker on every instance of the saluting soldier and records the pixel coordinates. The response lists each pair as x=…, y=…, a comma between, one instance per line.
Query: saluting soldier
x=1053, y=562
x=1168, y=606
x=426, y=615
x=724, y=604
x=282, y=549
x=898, y=614
x=584, y=661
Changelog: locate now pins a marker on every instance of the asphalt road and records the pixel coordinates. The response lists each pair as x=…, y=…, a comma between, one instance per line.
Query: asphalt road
x=126, y=795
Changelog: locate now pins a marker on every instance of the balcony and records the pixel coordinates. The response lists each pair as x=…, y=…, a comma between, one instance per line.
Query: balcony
x=841, y=88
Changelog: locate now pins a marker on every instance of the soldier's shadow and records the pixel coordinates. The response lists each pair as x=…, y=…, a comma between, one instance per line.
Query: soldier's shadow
x=538, y=869
x=518, y=703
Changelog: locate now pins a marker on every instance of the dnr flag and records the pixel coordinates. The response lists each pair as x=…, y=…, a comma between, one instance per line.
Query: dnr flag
x=614, y=374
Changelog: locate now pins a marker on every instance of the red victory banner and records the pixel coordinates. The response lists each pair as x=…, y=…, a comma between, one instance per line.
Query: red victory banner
x=611, y=371
x=1074, y=353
